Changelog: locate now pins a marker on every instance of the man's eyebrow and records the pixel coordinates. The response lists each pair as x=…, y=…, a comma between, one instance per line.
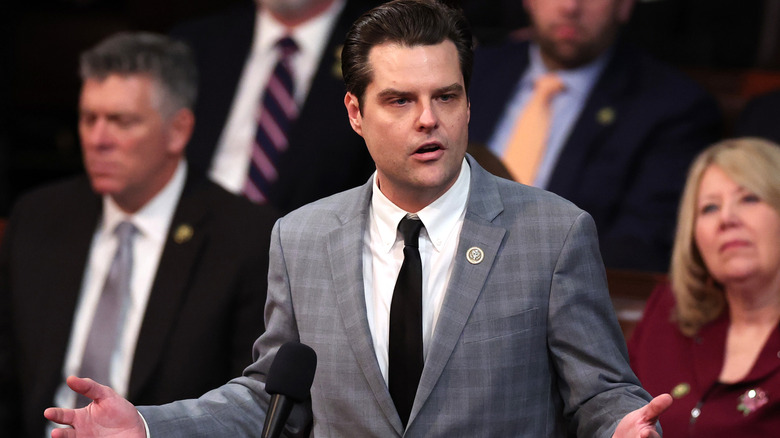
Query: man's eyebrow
x=392, y=92
x=454, y=88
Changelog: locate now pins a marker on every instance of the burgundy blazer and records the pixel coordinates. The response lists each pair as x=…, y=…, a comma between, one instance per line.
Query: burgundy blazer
x=666, y=361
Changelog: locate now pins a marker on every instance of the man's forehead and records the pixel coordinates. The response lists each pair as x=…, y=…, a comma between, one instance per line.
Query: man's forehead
x=387, y=61
x=399, y=46
x=119, y=83
x=118, y=94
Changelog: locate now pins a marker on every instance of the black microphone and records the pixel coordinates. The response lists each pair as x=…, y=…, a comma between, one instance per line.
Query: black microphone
x=289, y=381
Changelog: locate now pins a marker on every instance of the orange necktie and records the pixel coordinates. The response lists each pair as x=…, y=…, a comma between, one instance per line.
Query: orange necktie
x=529, y=138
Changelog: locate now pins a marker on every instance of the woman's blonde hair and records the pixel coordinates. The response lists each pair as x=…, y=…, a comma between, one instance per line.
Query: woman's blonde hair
x=752, y=163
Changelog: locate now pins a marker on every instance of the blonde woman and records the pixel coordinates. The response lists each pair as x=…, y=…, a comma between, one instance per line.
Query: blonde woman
x=711, y=337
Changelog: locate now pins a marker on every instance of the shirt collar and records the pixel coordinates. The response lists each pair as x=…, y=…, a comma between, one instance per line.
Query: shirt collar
x=577, y=81
x=439, y=218
x=307, y=35
x=153, y=218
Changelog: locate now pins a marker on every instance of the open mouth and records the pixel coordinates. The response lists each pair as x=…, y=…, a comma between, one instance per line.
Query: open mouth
x=428, y=148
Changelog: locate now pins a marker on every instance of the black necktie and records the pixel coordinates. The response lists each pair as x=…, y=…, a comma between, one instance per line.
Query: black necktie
x=406, y=346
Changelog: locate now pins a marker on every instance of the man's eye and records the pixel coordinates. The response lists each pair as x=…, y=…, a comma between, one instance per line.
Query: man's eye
x=125, y=122
x=87, y=119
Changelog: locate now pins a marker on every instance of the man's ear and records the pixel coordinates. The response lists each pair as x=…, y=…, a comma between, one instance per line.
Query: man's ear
x=181, y=126
x=353, y=111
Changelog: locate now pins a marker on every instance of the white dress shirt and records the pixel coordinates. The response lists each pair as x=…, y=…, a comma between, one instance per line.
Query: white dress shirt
x=152, y=222
x=230, y=165
x=383, y=256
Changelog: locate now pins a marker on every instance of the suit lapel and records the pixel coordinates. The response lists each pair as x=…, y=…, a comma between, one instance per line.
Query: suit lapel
x=71, y=258
x=179, y=258
x=343, y=244
x=467, y=279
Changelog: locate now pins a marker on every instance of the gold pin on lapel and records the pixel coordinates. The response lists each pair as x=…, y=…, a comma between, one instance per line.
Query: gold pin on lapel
x=681, y=390
x=183, y=233
x=336, y=68
x=606, y=115
x=475, y=255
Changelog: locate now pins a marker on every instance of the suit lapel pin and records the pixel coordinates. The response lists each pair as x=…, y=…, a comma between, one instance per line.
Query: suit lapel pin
x=681, y=390
x=183, y=233
x=605, y=116
x=475, y=255
x=336, y=69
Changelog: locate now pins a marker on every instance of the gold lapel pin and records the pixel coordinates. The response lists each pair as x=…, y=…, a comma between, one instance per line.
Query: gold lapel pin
x=475, y=255
x=183, y=233
x=336, y=68
x=681, y=390
x=606, y=115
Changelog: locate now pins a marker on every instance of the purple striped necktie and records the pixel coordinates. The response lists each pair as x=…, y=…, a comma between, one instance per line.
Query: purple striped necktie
x=275, y=116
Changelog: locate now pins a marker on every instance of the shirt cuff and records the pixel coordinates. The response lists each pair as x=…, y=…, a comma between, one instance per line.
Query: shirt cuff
x=146, y=426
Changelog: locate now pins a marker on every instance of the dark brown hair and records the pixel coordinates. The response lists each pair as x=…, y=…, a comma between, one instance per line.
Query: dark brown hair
x=409, y=23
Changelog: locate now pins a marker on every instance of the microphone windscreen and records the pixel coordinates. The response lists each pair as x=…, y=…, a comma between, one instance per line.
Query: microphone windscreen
x=292, y=371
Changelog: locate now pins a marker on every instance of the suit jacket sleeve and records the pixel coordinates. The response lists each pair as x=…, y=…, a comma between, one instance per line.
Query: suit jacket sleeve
x=595, y=382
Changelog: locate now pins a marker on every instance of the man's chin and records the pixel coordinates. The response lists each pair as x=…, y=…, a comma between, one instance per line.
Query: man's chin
x=102, y=187
x=568, y=55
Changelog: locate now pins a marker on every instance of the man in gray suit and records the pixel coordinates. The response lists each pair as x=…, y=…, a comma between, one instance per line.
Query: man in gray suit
x=518, y=334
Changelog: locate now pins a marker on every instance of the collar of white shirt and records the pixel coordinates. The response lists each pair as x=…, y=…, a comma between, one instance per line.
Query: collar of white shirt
x=439, y=218
x=307, y=35
x=153, y=219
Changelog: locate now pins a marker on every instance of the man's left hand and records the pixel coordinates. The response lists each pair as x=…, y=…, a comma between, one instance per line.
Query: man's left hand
x=641, y=422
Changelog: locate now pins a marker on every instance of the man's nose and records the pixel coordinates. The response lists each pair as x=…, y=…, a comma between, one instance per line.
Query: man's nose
x=95, y=134
x=428, y=118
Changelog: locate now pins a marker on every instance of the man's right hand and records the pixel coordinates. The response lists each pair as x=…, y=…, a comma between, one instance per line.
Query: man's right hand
x=109, y=415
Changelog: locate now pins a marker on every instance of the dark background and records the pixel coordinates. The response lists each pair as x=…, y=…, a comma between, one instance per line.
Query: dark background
x=732, y=47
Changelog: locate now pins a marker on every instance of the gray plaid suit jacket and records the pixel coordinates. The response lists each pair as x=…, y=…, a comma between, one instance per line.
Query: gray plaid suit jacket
x=526, y=345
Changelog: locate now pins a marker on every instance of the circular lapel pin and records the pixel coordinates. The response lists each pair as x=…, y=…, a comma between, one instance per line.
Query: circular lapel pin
x=605, y=116
x=183, y=233
x=475, y=255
